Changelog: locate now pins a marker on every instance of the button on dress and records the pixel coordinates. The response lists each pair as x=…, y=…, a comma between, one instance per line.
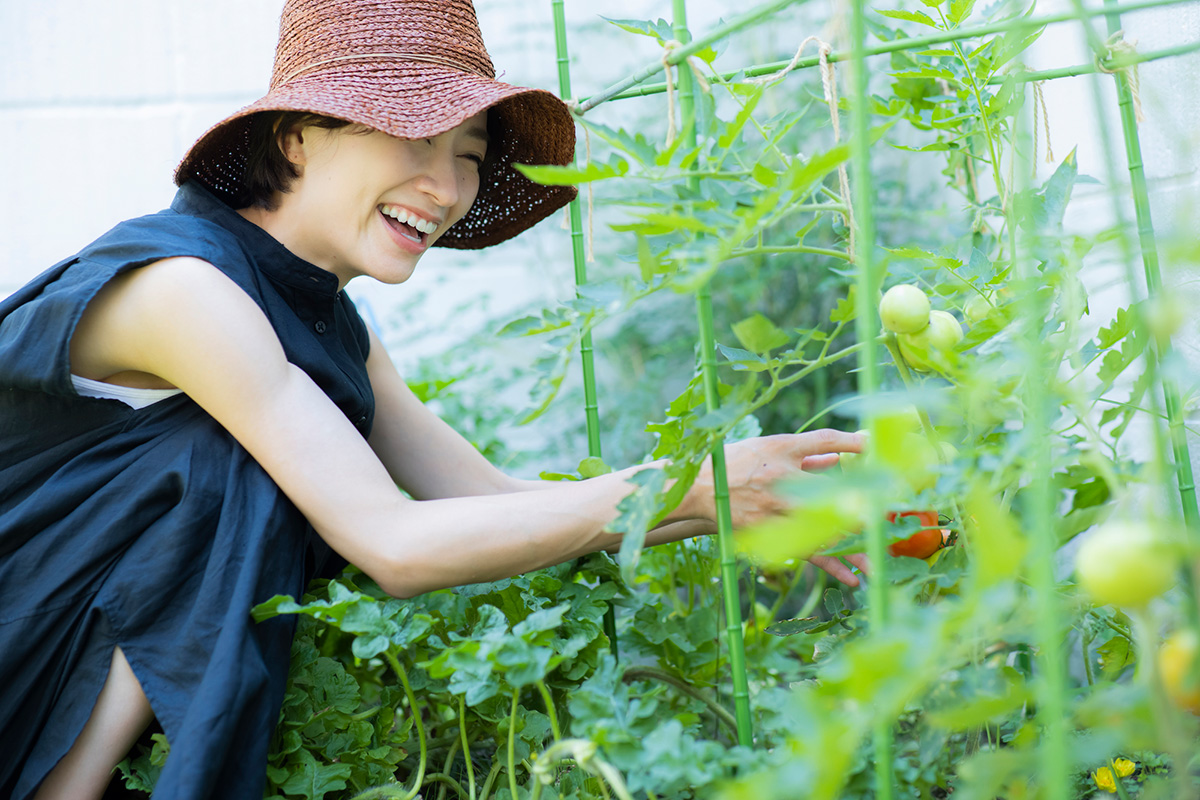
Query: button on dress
x=153, y=529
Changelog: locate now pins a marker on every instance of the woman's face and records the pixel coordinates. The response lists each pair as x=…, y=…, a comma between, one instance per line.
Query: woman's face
x=370, y=204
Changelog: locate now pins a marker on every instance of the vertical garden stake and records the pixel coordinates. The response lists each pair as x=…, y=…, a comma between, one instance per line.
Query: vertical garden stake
x=1160, y=348
x=591, y=407
x=708, y=360
x=867, y=330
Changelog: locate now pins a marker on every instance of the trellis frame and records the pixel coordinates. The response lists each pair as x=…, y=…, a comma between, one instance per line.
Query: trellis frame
x=867, y=323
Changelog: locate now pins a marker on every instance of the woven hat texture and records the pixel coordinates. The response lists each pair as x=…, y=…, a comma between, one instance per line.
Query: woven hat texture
x=412, y=69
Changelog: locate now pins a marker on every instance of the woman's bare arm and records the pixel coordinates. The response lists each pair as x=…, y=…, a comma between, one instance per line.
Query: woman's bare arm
x=185, y=322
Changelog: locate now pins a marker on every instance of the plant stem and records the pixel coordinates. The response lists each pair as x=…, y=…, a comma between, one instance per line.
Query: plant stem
x=987, y=125
x=1040, y=516
x=490, y=780
x=797, y=248
x=466, y=745
x=512, y=745
x=867, y=329
x=451, y=752
x=550, y=712
x=398, y=668
x=729, y=581
x=654, y=673
x=443, y=778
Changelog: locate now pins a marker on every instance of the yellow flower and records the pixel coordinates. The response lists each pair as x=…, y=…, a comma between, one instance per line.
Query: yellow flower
x=1104, y=777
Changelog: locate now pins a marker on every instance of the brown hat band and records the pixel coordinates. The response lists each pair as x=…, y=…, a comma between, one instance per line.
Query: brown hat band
x=445, y=62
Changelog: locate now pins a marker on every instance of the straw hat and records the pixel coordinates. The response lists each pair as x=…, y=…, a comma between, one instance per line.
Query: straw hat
x=412, y=69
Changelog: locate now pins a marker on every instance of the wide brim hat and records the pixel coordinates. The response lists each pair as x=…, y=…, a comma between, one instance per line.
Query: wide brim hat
x=412, y=69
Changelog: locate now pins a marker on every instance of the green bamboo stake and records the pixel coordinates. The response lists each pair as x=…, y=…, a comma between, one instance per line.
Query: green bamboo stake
x=1160, y=348
x=867, y=329
x=1050, y=686
x=633, y=87
x=708, y=362
x=590, y=406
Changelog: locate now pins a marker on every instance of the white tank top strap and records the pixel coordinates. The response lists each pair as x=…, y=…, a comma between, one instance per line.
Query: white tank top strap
x=134, y=398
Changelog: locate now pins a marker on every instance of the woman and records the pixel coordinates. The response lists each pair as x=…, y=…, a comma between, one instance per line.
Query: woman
x=192, y=397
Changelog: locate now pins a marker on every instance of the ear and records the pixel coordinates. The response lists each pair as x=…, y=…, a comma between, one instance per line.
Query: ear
x=291, y=143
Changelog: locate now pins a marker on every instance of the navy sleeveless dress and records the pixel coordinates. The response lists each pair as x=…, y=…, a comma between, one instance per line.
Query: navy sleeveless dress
x=152, y=529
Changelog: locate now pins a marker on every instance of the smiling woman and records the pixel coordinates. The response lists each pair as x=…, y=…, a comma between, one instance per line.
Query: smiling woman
x=270, y=431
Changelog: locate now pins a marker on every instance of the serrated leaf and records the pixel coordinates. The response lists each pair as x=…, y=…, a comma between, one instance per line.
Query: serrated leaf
x=908, y=16
x=759, y=335
x=660, y=30
x=846, y=308
x=960, y=10
x=1120, y=327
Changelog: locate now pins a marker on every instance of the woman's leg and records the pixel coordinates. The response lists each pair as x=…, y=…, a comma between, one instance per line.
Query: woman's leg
x=120, y=715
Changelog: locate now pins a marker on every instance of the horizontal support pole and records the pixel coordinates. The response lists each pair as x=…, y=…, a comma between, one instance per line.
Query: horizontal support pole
x=629, y=87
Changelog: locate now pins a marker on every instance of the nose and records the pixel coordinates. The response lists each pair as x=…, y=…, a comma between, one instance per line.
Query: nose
x=439, y=176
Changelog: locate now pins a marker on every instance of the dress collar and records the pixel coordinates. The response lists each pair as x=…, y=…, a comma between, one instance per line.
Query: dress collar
x=270, y=255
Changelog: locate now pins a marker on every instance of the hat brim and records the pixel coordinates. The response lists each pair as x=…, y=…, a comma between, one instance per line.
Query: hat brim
x=417, y=101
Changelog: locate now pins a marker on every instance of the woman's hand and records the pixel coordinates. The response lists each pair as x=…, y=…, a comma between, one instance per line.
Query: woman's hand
x=754, y=466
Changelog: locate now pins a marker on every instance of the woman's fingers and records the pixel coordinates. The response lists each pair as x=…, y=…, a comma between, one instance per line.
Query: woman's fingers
x=836, y=568
x=861, y=561
x=819, y=463
x=827, y=440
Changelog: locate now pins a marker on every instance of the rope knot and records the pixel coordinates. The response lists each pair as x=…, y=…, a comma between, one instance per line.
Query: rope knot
x=1119, y=59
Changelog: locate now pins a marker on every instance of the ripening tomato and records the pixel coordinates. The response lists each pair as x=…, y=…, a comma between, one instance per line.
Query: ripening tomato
x=1176, y=662
x=904, y=309
x=925, y=348
x=924, y=542
x=1125, y=563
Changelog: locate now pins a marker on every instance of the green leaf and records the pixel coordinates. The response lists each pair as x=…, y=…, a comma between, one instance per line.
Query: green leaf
x=592, y=467
x=734, y=128
x=1120, y=327
x=660, y=30
x=764, y=174
x=909, y=16
x=743, y=359
x=960, y=10
x=555, y=175
x=636, y=514
x=846, y=308
x=759, y=335
x=313, y=780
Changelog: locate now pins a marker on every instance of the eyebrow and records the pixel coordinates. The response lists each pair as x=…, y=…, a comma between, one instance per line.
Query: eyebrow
x=479, y=133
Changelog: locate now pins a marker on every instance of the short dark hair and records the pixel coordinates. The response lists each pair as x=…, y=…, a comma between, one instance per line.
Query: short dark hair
x=268, y=170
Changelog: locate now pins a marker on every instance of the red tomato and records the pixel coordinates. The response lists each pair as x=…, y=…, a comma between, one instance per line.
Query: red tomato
x=924, y=542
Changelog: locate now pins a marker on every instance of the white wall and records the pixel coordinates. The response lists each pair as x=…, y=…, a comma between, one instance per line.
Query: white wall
x=98, y=102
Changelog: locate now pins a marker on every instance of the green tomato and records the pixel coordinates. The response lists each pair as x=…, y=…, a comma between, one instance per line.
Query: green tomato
x=923, y=350
x=920, y=469
x=977, y=309
x=1125, y=563
x=904, y=309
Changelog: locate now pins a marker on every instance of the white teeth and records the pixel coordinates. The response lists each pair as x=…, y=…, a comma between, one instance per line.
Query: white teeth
x=400, y=215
